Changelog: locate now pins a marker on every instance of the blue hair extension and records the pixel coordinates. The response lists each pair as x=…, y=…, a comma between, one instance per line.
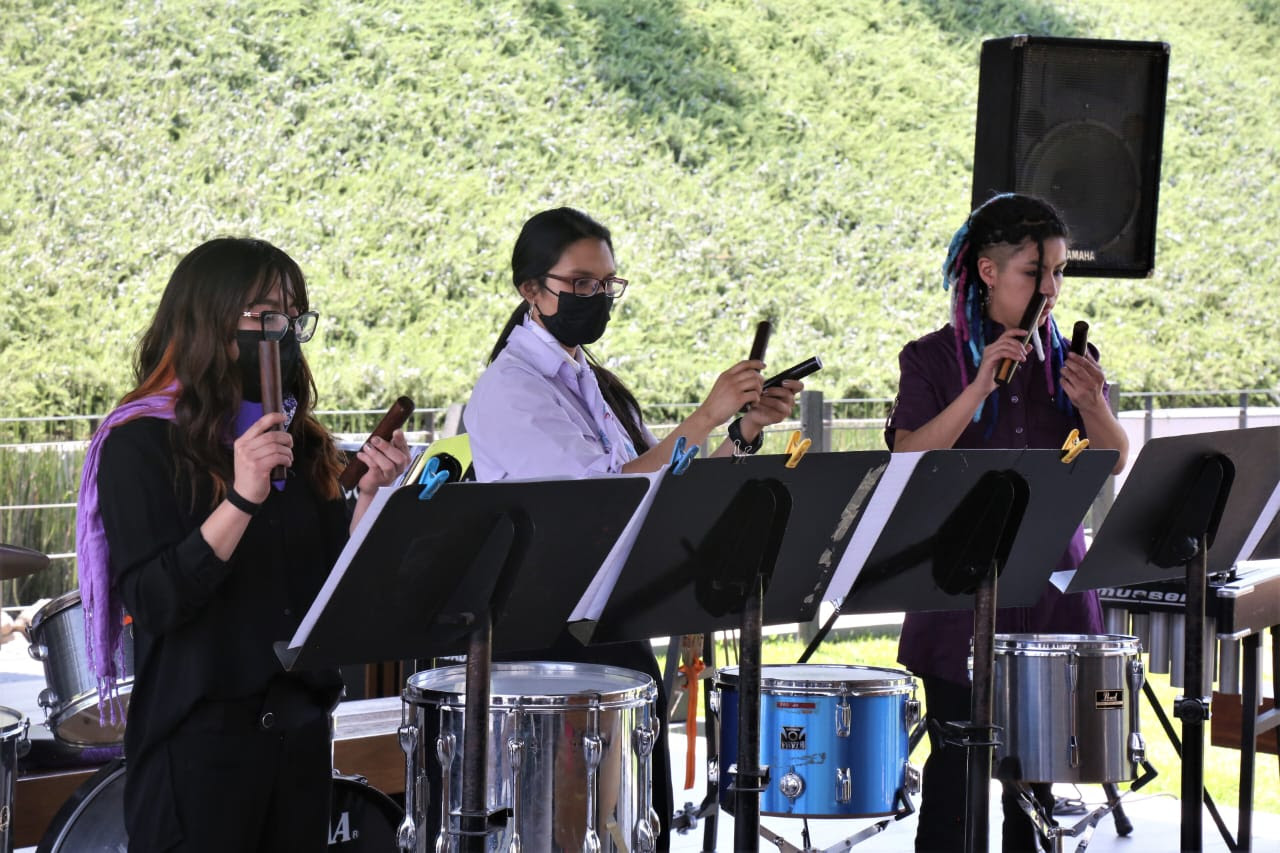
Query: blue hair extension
x=949, y=271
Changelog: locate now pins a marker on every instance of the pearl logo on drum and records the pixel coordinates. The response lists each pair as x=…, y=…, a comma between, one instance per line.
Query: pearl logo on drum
x=793, y=737
x=1108, y=699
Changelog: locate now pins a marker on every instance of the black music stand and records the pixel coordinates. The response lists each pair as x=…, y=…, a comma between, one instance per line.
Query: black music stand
x=1193, y=502
x=704, y=559
x=439, y=576
x=946, y=526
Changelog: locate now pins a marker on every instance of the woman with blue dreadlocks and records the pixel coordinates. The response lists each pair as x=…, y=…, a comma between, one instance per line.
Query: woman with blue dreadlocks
x=1010, y=247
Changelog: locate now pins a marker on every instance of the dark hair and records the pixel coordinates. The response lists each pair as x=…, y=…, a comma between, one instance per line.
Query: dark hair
x=1007, y=219
x=188, y=343
x=543, y=239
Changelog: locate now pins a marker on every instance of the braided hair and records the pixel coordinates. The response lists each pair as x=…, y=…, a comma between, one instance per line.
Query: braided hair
x=1007, y=219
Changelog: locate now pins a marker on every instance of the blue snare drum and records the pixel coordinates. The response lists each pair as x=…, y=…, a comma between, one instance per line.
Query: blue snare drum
x=834, y=738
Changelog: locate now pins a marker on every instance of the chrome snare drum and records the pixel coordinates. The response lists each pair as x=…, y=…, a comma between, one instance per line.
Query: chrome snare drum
x=71, y=698
x=834, y=739
x=569, y=753
x=1068, y=704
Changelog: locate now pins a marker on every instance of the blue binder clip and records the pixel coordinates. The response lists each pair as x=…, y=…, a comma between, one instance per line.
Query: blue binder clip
x=680, y=458
x=431, y=479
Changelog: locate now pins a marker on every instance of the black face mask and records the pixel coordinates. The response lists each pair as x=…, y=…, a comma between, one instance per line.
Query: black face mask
x=250, y=371
x=579, y=320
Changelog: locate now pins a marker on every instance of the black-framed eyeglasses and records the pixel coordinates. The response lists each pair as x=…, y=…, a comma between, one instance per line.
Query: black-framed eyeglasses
x=612, y=286
x=275, y=324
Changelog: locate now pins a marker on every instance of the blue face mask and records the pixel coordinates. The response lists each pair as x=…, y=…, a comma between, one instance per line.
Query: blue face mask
x=578, y=320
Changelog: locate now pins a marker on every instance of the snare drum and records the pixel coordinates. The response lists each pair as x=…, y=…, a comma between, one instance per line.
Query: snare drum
x=1068, y=704
x=834, y=739
x=569, y=753
x=361, y=819
x=13, y=734
x=71, y=698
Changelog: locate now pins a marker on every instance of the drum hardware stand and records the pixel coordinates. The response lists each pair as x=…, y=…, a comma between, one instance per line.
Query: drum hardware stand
x=1052, y=832
x=1185, y=540
x=905, y=808
x=969, y=553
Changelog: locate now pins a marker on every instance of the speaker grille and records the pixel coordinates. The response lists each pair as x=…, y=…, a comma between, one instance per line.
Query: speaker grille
x=1078, y=122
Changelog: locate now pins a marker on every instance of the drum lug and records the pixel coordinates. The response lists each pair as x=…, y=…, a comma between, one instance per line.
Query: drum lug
x=791, y=785
x=844, y=717
x=592, y=753
x=47, y=699
x=911, y=714
x=1137, y=747
x=911, y=779
x=1073, y=750
x=515, y=755
x=446, y=746
x=644, y=834
x=39, y=651
x=407, y=832
x=844, y=785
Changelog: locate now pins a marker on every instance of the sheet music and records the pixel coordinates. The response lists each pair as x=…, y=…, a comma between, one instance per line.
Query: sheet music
x=593, y=600
x=1260, y=526
x=874, y=518
x=356, y=539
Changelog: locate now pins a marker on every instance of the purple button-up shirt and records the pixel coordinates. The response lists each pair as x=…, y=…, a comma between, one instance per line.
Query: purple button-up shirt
x=937, y=643
x=537, y=413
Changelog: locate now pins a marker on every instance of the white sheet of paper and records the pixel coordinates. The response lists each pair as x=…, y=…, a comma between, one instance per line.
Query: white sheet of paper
x=1268, y=514
x=339, y=569
x=883, y=500
x=596, y=596
x=1062, y=579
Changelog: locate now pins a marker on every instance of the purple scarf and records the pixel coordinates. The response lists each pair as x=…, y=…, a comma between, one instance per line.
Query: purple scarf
x=104, y=612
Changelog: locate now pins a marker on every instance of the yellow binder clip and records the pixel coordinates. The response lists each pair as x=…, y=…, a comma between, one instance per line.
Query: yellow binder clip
x=796, y=449
x=1072, y=447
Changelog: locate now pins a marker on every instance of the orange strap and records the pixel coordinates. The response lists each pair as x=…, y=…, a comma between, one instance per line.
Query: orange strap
x=692, y=667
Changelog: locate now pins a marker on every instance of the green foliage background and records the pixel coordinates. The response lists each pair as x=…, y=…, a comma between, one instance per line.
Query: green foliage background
x=805, y=158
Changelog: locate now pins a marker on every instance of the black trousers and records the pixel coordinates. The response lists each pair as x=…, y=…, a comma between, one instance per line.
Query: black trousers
x=225, y=781
x=942, y=791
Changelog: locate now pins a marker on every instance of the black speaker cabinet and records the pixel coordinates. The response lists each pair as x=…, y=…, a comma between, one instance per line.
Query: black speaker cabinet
x=1078, y=122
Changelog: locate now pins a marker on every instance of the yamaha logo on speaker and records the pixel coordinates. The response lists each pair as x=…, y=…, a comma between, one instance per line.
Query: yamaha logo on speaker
x=1082, y=255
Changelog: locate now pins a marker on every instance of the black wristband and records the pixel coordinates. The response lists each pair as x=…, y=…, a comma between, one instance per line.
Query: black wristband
x=742, y=445
x=242, y=503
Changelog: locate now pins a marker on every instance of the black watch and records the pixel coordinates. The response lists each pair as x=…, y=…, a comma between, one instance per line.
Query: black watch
x=740, y=443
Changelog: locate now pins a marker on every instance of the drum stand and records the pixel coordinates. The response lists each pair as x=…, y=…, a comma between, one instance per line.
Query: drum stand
x=1049, y=829
x=905, y=809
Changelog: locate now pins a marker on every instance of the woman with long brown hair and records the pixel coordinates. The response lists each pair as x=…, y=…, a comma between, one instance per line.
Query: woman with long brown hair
x=181, y=528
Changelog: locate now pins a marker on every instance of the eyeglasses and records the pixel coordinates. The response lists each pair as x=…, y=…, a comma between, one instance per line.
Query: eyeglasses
x=584, y=287
x=275, y=324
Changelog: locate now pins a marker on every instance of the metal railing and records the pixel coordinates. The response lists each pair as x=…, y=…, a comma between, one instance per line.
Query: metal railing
x=40, y=457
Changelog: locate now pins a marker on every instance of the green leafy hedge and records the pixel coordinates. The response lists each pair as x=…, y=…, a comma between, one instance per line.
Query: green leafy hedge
x=807, y=159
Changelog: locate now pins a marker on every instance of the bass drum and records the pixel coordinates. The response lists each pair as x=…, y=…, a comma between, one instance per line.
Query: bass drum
x=361, y=819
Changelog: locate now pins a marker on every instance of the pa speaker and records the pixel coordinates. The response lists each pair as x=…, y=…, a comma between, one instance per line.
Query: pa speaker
x=1080, y=123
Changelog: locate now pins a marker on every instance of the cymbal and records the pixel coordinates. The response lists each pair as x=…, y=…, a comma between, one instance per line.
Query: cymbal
x=15, y=562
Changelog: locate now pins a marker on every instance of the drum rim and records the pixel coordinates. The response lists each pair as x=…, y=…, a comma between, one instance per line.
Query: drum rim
x=1056, y=644
x=81, y=798
x=82, y=702
x=386, y=805
x=15, y=728
x=904, y=682
x=53, y=608
x=638, y=693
